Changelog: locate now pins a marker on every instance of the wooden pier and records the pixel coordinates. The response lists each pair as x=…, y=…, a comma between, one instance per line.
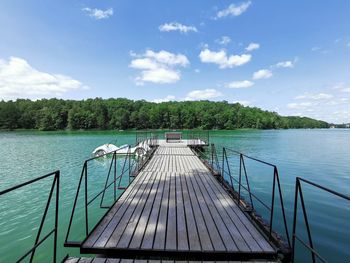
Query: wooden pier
x=176, y=209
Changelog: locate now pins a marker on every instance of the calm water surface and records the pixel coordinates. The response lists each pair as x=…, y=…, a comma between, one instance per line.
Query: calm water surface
x=322, y=156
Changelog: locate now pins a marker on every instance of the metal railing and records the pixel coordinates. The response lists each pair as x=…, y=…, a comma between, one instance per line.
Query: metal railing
x=299, y=194
x=196, y=137
x=38, y=240
x=149, y=136
x=131, y=165
x=224, y=169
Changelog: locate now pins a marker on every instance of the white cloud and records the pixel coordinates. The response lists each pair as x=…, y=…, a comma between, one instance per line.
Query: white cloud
x=239, y=84
x=98, y=13
x=166, y=99
x=224, y=40
x=262, y=74
x=143, y=63
x=341, y=86
x=159, y=75
x=203, y=94
x=285, y=64
x=298, y=106
x=233, y=10
x=168, y=58
x=252, y=46
x=18, y=79
x=158, y=67
x=222, y=59
x=318, y=96
x=174, y=26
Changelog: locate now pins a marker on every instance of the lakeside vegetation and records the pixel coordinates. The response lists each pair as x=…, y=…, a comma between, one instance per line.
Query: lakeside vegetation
x=123, y=114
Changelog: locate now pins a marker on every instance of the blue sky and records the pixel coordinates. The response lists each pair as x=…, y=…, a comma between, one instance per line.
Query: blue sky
x=292, y=57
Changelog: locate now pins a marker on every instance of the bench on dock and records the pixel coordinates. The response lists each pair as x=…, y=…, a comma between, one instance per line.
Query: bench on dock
x=173, y=136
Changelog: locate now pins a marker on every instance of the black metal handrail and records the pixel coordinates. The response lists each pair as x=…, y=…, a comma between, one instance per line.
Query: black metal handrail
x=54, y=231
x=299, y=193
x=202, y=136
x=149, y=136
x=224, y=169
x=131, y=166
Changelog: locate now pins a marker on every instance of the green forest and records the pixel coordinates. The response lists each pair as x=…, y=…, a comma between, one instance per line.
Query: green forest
x=123, y=114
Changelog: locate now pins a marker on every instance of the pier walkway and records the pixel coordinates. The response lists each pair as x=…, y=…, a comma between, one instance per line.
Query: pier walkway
x=176, y=209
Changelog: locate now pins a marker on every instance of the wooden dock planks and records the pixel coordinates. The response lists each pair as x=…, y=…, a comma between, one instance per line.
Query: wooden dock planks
x=176, y=206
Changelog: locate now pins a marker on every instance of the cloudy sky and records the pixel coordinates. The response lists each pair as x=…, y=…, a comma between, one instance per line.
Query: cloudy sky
x=292, y=57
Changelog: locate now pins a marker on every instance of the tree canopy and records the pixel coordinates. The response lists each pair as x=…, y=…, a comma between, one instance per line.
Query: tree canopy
x=122, y=114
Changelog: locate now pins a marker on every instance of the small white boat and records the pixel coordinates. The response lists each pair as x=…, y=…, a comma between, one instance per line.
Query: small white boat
x=108, y=148
x=139, y=150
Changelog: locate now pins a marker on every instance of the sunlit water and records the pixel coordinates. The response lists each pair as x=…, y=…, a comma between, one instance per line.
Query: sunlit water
x=321, y=156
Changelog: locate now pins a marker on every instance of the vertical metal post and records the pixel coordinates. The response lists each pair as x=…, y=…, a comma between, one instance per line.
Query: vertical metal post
x=297, y=184
x=240, y=178
x=57, y=178
x=307, y=224
x=43, y=219
x=86, y=201
x=223, y=163
x=129, y=154
x=229, y=171
x=282, y=205
x=246, y=178
x=115, y=175
x=74, y=204
x=272, y=204
x=212, y=156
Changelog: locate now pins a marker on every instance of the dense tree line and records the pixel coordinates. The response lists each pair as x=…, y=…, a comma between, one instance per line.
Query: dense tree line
x=122, y=114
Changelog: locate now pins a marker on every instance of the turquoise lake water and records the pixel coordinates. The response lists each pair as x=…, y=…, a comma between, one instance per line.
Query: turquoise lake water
x=322, y=156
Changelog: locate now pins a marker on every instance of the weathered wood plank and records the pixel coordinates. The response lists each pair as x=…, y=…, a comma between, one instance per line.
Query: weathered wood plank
x=137, y=224
x=143, y=221
x=182, y=238
x=128, y=194
x=230, y=225
x=159, y=241
x=109, y=228
x=253, y=238
x=193, y=236
x=214, y=234
x=150, y=231
x=121, y=224
x=204, y=236
x=171, y=223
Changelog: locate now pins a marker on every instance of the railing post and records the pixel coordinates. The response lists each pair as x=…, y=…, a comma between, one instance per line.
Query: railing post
x=307, y=223
x=229, y=171
x=297, y=184
x=129, y=154
x=43, y=219
x=74, y=205
x=115, y=176
x=57, y=178
x=247, y=180
x=223, y=163
x=282, y=205
x=86, y=201
x=272, y=203
x=212, y=156
x=240, y=179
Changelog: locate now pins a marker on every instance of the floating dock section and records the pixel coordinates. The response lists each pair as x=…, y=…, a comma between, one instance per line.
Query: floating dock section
x=176, y=209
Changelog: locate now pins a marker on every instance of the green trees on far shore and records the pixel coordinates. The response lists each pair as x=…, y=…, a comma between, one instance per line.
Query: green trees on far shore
x=122, y=114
